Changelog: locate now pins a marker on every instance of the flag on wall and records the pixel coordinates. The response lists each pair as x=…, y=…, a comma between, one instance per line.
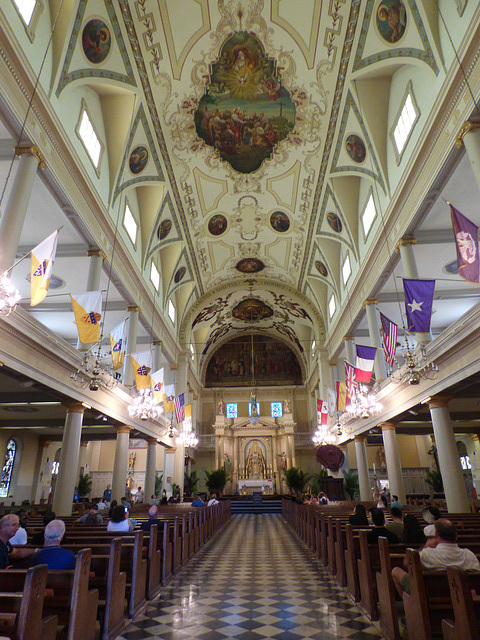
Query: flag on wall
x=42, y=258
x=466, y=239
x=322, y=413
x=389, y=338
x=117, y=345
x=180, y=408
x=418, y=304
x=87, y=308
x=331, y=404
x=142, y=365
x=341, y=396
x=188, y=411
x=364, y=363
x=168, y=398
x=157, y=386
x=351, y=385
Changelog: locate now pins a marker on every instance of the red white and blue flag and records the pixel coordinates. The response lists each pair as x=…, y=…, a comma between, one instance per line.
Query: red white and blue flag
x=364, y=363
x=180, y=408
x=466, y=239
x=389, y=338
x=351, y=385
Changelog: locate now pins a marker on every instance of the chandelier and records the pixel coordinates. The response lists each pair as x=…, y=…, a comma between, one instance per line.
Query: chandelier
x=187, y=437
x=143, y=406
x=416, y=366
x=9, y=295
x=323, y=435
x=92, y=375
x=364, y=405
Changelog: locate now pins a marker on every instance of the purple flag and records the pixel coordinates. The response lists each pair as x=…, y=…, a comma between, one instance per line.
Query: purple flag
x=466, y=239
x=418, y=304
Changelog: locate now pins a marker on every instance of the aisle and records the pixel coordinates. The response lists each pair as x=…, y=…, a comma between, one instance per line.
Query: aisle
x=254, y=580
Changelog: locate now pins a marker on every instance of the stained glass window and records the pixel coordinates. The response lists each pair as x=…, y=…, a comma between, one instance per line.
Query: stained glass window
x=276, y=409
x=7, y=468
x=232, y=410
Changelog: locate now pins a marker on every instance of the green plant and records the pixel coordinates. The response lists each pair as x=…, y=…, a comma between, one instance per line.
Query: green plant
x=316, y=480
x=216, y=480
x=189, y=484
x=434, y=480
x=351, y=483
x=296, y=479
x=158, y=483
x=84, y=485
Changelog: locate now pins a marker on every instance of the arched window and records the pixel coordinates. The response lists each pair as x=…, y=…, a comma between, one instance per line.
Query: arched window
x=7, y=468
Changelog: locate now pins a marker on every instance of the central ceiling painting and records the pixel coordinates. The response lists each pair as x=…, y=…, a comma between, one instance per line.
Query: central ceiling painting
x=245, y=111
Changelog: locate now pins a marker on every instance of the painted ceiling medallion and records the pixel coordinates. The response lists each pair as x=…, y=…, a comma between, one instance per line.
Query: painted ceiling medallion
x=251, y=310
x=280, y=221
x=179, y=275
x=321, y=268
x=138, y=159
x=217, y=224
x=245, y=111
x=250, y=265
x=164, y=229
x=96, y=41
x=391, y=20
x=356, y=148
x=334, y=222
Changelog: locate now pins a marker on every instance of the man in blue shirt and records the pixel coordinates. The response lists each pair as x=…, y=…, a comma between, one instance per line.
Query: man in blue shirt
x=198, y=502
x=107, y=494
x=52, y=553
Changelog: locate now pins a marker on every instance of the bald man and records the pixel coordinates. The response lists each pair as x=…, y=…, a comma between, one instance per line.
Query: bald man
x=152, y=519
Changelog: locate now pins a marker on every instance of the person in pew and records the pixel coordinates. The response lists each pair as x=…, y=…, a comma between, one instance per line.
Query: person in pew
x=439, y=552
x=125, y=503
x=198, y=502
x=154, y=500
x=120, y=522
x=101, y=505
x=20, y=538
x=359, y=517
x=430, y=515
x=396, y=524
x=152, y=519
x=52, y=553
x=91, y=517
x=412, y=531
x=213, y=500
x=113, y=504
x=8, y=528
x=140, y=495
x=395, y=502
x=38, y=538
x=379, y=529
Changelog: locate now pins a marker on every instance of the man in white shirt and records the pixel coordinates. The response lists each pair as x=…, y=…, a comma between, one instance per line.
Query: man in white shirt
x=213, y=500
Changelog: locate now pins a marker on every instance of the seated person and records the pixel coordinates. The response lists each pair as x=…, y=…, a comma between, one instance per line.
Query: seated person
x=359, y=516
x=38, y=538
x=395, y=502
x=152, y=519
x=322, y=498
x=379, y=529
x=120, y=521
x=91, y=517
x=396, y=524
x=198, y=502
x=154, y=500
x=412, y=531
x=52, y=553
x=8, y=528
x=20, y=538
x=213, y=500
x=125, y=503
x=430, y=515
x=101, y=504
x=439, y=552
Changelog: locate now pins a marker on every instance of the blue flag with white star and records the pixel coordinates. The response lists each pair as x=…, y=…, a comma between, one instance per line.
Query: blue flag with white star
x=418, y=304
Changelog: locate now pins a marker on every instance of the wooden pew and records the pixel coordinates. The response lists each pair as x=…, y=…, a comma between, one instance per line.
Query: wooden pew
x=387, y=595
x=115, y=586
x=466, y=606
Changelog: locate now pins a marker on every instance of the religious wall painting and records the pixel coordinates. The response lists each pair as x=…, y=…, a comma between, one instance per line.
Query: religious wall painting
x=250, y=265
x=252, y=310
x=179, y=275
x=164, y=229
x=138, y=159
x=280, y=221
x=96, y=41
x=245, y=111
x=217, y=224
x=391, y=20
x=210, y=311
x=321, y=268
x=274, y=363
x=356, y=148
x=334, y=222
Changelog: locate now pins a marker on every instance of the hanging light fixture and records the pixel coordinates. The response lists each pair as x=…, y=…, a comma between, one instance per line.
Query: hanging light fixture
x=92, y=375
x=143, y=406
x=323, y=435
x=187, y=437
x=254, y=417
x=365, y=404
x=416, y=366
x=9, y=295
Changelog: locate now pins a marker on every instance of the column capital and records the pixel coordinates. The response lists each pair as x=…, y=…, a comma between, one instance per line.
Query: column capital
x=133, y=307
x=466, y=128
x=123, y=428
x=152, y=441
x=475, y=437
x=84, y=443
x=96, y=252
x=73, y=407
x=43, y=444
x=438, y=401
x=347, y=337
x=403, y=242
x=332, y=363
x=33, y=150
x=362, y=437
x=157, y=343
x=388, y=426
x=369, y=301
x=173, y=367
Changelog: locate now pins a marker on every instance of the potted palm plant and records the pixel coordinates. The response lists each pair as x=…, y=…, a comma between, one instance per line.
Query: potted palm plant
x=296, y=479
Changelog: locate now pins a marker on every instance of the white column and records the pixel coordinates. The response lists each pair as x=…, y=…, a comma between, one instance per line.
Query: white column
x=82, y=457
x=470, y=137
x=150, y=468
x=351, y=356
x=362, y=467
x=93, y=281
x=181, y=387
x=66, y=480
x=157, y=355
x=448, y=458
x=370, y=306
x=133, y=315
x=475, y=462
x=392, y=457
x=13, y=218
x=120, y=463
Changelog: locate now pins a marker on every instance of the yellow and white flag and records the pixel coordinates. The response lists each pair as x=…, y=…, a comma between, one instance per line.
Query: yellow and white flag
x=157, y=386
x=188, y=411
x=87, y=308
x=169, y=398
x=117, y=345
x=142, y=365
x=43, y=256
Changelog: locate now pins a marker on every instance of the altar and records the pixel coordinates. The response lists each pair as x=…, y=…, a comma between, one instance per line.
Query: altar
x=249, y=486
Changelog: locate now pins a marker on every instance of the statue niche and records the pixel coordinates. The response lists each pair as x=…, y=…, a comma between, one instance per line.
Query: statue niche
x=255, y=466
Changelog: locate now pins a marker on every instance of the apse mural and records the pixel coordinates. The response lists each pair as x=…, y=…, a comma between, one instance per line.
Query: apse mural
x=392, y=20
x=245, y=111
x=250, y=265
x=251, y=310
x=164, y=229
x=274, y=363
x=138, y=160
x=96, y=41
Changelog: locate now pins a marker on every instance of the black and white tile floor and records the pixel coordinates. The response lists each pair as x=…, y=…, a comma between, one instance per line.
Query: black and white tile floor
x=255, y=579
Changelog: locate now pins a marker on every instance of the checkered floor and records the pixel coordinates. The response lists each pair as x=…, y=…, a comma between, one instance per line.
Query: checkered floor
x=254, y=580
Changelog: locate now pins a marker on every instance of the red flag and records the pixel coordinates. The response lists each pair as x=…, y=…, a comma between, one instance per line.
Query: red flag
x=322, y=412
x=351, y=384
x=364, y=363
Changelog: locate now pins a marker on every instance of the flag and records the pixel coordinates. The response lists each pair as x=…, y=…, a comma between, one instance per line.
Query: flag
x=87, y=308
x=418, y=304
x=188, y=411
x=117, y=345
x=142, y=365
x=364, y=363
x=168, y=398
x=322, y=413
x=341, y=396
x=389, y=338
x=466, y=239
x=331, y=401
x=180, y=408
x=42, y=258
x=157, y=386
x=351, y=385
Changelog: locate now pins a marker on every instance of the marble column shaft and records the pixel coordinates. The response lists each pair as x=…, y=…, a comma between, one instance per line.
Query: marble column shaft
x=362, y=467
x=120, y=464
x=66, y=480
x=392, y=457
x=150, y=470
